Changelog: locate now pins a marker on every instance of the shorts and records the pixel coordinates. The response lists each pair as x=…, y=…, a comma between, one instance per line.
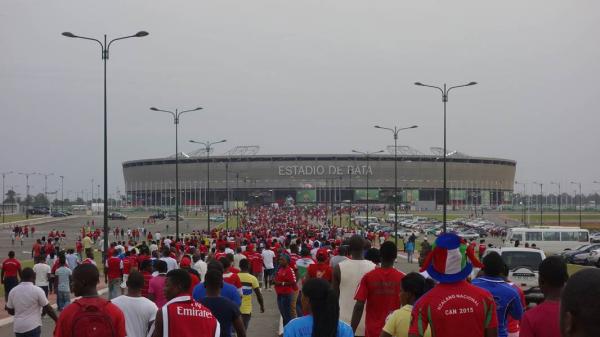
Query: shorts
x=269, y=273
x=9, y=283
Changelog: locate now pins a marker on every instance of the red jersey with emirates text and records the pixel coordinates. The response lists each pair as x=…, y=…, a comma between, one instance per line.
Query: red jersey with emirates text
x=454, y=309
x=184, y=317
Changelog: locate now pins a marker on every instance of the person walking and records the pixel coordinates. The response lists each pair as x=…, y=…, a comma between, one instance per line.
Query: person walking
x=268, y=257
x=90, y=315
x=26, y=302
x=42, y=274
x=346, y=278
x=453, y=307
x=227, y=313
x=285, y=286
x=414, y=285
x=322, y=309
x=113, y=271
x=63, y=283
x=508, y=300
x=552, y=278
x=10, y=273
x=181, y=316
x=157, y=284
x=380, y=289
x=410, y=250
x=139, y=311
x=249, y=285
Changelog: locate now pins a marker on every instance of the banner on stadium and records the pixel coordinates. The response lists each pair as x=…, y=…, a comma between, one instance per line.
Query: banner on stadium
x=306, y=196
x=361, y=194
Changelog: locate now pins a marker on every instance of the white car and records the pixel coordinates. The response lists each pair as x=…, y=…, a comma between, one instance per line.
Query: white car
x=593, y=258
x=595, y=237
x=523, y=264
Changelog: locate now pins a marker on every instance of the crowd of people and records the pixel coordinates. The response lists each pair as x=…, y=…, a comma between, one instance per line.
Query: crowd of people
x=328, y=281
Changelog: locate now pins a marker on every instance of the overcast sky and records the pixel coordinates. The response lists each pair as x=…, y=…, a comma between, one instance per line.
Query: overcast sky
x=300, y=77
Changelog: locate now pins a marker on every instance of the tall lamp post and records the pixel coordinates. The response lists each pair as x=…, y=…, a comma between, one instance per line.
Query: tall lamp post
x=367, y=155
x=445, y=91
x=27, y=190
x=176, y=115
x=559, y=199
x=580, y=200
x=395, y=132
x=46, y=185
x=105, y=47
x=207, y=146
x=523, y=201
x=541, y=202
x=596, y=203
x=62, y=195
x=4, y=174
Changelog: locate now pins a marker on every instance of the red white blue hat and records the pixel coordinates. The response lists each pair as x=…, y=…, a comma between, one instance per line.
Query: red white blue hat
x=451, y=259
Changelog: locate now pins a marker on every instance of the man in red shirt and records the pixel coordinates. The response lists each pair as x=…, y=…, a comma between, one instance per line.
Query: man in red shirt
x=542, y=321
x=229, y=276
x=321, y=269
x=453, y=307
x=36, y=249
x=73, y=317
x=10, y=274
x=181, y=316
x=113, y=270
x=380, y=288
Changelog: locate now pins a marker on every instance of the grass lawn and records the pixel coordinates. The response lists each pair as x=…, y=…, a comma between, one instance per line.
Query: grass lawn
x=17, y=217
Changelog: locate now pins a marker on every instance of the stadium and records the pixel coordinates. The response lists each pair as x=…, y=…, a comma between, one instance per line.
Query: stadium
x=244, y=176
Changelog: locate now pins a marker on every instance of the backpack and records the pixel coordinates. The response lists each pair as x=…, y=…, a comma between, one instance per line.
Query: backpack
x=91, y=321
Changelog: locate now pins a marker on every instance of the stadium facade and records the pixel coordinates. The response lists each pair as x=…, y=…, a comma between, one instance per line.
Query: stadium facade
x=320, y=178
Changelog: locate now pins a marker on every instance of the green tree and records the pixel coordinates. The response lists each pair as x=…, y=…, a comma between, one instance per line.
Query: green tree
x=40, y=200
x=10, y=197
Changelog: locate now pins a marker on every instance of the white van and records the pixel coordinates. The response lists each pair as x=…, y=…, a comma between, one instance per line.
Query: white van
x=552, y=240
x=391, y=217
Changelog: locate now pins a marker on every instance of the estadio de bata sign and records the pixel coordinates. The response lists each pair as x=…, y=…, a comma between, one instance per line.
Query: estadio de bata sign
x=319, y=170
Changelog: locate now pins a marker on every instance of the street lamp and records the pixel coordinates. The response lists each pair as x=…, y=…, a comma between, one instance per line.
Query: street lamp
x=62, y=196
x=541, y=202
x=367, y=154
x=395, y=131
x=46, y=185
x=4, y=174
x=559, y=199
x=208, y=145
x=596, y=203
x=27, y=190
x=176, y=115
x=523, y=200
x=445, y=93
x=105, y=54
x=580, y=200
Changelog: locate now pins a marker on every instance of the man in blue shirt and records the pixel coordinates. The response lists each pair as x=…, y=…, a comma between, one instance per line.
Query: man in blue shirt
x=506, y=297
x=228, y=291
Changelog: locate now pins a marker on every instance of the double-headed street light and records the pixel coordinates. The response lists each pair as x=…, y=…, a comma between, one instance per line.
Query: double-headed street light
x=580, y=200
x=559, y=197
x=445, y=91
x=395, y=132
x=207, y=146
x=367, y=154
x=176, y=115
x=541, y=202
x=27, y=186
x=105, y=47
x=4, y=174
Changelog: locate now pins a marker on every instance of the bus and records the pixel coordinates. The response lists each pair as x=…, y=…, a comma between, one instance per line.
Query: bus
x=401, y=216
x=552, y=240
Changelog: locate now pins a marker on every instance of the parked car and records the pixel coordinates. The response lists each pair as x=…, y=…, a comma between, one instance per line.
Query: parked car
x=171, y=216
x=468, y=235
x=117, y=216
x=159, y=216
x=217, y=218
x=579, y=254
x=595, y=237
x=593, y=258
x=57, y=214
x=523, y=270
x=38, y=210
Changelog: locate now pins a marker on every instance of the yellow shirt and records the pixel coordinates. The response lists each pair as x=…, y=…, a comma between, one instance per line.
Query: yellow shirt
x=398, y=322
x=249, y=283
x=87, y=242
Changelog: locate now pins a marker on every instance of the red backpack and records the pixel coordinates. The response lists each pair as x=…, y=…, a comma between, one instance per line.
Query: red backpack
x=92, y=321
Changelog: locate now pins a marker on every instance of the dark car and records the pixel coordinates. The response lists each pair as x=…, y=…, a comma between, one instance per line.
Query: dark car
x=117, y=216
x=159, y=216
x=570, y=255
x=38, y=210
x=57, y=214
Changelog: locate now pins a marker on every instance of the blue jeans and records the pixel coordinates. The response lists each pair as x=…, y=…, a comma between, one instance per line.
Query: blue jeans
x=284, y=302
x=63, y=298
x=114, y=288
x=31, y=333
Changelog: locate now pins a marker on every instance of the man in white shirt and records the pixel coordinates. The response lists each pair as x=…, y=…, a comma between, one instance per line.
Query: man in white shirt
x=268, y=255
x=171, y=262
x=238, y=257
x=139, y=311
x=199, y=265
x=167, y=242
x=42, y=274
x=26, y=302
